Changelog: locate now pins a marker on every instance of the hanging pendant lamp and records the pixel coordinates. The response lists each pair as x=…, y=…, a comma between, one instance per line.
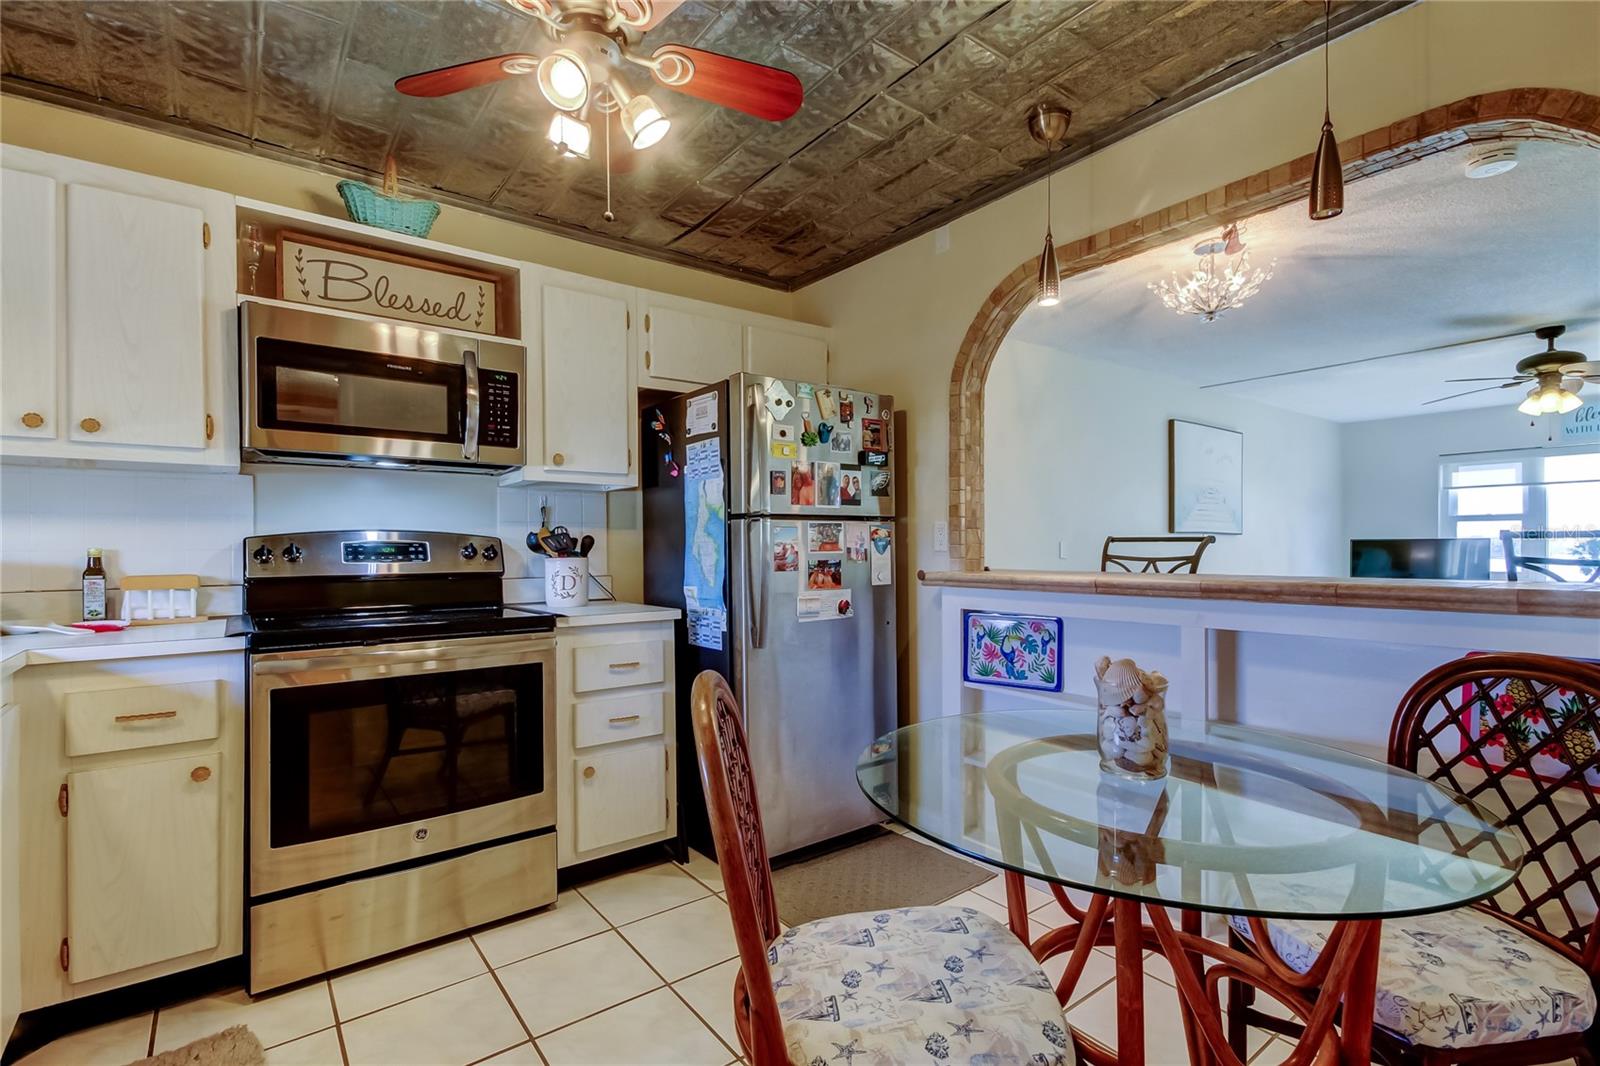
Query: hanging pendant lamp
x=1048, y=126
x=1327, y=174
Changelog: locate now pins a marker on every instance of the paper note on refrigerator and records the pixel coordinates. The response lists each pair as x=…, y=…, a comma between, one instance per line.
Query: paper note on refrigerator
x=706, y=627
x=705, y=542
x=828, y=606
x=881, y=540
x=700, y=415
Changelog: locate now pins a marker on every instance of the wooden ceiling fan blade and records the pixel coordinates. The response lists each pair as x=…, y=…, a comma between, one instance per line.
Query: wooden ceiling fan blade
x=1471, y=392
x=462, y=76
x=659, y=10
x=1452, y=381
x=765, y=92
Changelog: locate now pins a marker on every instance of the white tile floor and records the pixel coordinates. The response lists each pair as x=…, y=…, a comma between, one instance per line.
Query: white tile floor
x=634, y=969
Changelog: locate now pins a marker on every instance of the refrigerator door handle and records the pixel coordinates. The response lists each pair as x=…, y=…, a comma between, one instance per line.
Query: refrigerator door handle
x=755, y=445
x=754, y=563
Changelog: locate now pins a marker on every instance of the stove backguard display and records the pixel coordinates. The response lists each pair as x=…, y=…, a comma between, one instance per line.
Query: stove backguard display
x=385, y=551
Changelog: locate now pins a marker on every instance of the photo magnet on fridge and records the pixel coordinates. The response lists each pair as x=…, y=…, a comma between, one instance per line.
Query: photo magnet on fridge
x=850, y=487
x=825, y=536
x=842, y=442
x=778, y=482
x=786, y=547
x=822, y=574
x=873, y=436
x=847, y=408
x=827, y=484
x=803, y=485
x=855, y=542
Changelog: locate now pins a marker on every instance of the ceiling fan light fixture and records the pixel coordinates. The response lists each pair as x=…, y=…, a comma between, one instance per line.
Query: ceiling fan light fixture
x=643, y=122
x=570, y=135
x=564, y=80
x=1048, y=126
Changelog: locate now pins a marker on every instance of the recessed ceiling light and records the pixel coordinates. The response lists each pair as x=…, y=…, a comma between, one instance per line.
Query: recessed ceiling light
x=1495, y=159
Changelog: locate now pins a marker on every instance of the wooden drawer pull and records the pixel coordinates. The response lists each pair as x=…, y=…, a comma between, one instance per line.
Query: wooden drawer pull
x=624, y=718
x=145, y=717
x=90, y=425
x=627, y=666
x=588, y=772
x=200, y=773
x=32, y=419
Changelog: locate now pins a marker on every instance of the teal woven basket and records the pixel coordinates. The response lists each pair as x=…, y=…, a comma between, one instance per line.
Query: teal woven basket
x=385, y=209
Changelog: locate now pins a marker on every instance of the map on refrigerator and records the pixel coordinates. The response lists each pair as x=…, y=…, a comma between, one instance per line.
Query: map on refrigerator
x=705, y=543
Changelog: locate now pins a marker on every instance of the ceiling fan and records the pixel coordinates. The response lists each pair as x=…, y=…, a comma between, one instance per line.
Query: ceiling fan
x=590, y=42
x=1556, y=377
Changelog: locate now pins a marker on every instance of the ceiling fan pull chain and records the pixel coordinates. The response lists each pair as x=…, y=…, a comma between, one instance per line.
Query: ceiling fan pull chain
x=606, y=118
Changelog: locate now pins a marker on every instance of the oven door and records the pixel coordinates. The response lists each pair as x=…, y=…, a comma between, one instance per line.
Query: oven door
x=361, y=758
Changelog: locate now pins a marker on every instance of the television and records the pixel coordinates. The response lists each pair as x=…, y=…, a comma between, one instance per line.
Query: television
x=1449, y=558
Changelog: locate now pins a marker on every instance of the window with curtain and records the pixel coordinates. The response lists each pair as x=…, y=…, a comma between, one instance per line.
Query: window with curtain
x=1531, y=489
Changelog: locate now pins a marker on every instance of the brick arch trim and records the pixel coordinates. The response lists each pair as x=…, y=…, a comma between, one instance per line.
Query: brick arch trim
x=1514, y=114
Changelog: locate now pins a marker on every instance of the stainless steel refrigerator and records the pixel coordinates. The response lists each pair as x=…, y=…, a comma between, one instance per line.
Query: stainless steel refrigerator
x=769, y=518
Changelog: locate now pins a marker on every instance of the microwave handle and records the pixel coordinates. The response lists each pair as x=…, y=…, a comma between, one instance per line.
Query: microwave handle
x=469, y=437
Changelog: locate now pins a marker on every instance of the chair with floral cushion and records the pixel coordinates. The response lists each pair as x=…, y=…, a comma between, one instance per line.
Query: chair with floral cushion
x=913, y=984
x=1511, y=979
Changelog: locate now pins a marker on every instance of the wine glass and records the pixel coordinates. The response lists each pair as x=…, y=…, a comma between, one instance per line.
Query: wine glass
x=250, y=236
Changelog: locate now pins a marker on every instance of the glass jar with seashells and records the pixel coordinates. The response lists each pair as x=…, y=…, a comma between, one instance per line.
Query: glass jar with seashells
x=1132, y=719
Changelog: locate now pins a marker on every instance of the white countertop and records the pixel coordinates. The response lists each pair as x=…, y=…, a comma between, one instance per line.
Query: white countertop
x=607, y=613
x=135, y=642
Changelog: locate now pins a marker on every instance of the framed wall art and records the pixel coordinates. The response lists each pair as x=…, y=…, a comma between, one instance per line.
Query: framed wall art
x=1205, y=478
x=1012, y=650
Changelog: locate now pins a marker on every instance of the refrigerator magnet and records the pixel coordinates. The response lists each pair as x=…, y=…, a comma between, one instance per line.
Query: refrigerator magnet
x=855, y=542
x=842, y=442
x=824, y=575
x=779, y=401
x=879, y=482
x=849, y=487
x=805, y=391
x=825, y=537
x=786, y=547
x=700, y=415
x=873, y=436
x=825, y=403
x=785, y=450
x=827, y=484
x=803, y=485
x=808, y=607
x=882, y=562
x=778, y=483
x=874, y=458
x=847, y=408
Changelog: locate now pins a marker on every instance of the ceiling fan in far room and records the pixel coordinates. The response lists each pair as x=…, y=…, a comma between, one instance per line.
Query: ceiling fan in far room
x=590, y=41
x=1555, y=375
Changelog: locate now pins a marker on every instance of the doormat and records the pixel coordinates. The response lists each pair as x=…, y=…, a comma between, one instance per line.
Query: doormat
x=884, y=871
x=237, y=1046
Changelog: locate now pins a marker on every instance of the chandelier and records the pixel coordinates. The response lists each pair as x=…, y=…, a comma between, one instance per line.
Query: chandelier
x=1214, y=288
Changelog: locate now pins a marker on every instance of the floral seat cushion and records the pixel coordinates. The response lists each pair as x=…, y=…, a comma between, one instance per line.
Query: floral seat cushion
x=1457, y=979
x=915, y=985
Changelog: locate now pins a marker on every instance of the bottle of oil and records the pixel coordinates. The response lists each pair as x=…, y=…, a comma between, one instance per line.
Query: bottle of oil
x=94, y=588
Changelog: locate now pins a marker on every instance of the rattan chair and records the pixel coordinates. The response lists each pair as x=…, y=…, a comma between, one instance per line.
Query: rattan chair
x=1512, y=979
x=915, y=984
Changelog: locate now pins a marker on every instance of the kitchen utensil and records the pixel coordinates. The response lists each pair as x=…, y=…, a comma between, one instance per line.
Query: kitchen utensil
x=558, y=542
x=104, y=627
x=586, y=545
x=16, y=629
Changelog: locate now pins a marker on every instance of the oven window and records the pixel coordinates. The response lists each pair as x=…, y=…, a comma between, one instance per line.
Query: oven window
x=361, y=755
x=328, y=390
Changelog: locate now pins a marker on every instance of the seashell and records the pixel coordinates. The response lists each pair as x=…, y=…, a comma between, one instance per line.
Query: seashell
x=1118, y=682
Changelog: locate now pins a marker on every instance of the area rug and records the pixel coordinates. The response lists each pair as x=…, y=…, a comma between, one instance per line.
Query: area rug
x=883, y=871
x=237, y=1046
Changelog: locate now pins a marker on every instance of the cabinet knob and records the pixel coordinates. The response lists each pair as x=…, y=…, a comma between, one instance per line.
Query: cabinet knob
x=90, y=425
x=33, y=419
x=558, y=458
x=588, y=772
x=200, y=773
x=211, y=427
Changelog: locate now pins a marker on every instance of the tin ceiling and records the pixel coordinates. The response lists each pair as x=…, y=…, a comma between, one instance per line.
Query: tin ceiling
x=913, y=112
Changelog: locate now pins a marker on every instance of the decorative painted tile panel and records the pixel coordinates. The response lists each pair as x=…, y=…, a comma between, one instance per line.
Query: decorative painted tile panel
x=1012, y=650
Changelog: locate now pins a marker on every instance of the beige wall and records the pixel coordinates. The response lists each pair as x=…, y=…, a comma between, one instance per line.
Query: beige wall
x=899, y=318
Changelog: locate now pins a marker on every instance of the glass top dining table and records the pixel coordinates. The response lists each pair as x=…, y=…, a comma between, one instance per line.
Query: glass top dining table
x=1245, y=822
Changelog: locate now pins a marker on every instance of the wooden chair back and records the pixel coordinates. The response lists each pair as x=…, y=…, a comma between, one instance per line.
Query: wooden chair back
x=1554, y=567
x=1517, y=734
x=1185, y=562
x=730, y=789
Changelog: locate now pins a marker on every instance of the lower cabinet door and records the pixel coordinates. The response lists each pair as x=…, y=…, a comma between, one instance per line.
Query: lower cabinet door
x=143, y=863
x=621, y=795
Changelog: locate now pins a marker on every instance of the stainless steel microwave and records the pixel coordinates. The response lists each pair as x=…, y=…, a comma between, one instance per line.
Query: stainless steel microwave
x=322, y=388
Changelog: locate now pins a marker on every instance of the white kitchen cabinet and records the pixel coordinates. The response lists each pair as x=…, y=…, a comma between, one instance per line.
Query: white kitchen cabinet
x=134, y=843
x=797, y=351
x=582, y=417
x=142, y=863
x=687, y=342
x=10, y=871
x=616, y=770
x=119, y=334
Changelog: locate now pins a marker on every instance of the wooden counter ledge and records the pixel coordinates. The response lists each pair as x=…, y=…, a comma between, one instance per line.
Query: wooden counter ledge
x=1475, y=597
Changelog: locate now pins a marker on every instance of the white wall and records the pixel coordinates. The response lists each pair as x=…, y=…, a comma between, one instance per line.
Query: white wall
x=1075, y=449
x=899, y=318
x=1391, y=466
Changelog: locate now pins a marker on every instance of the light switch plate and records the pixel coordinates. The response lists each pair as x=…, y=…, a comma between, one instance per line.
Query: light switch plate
x=941, y=240
x=941, y=536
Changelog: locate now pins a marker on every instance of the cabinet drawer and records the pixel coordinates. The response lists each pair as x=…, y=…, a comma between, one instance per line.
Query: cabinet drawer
x=618, y=665
x=606, y=721
x=140, y=716
x=621, y=795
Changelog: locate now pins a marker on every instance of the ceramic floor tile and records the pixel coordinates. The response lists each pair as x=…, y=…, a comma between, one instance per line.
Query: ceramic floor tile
x=274, y=1018
x=997, y=911
x=318, y=1049
x=640, y=893
x=996, y=890
x=1272, y=1052
x=568, y=983
x=1100, y=968
x=655, y=1028
x=710, y=994
x=387, y=983
x=521, y=1055
x=1163, y=1024
x=450, y=1027
x=685, y=939
x=571, y=918
x=112, y=1044
x=704, y=870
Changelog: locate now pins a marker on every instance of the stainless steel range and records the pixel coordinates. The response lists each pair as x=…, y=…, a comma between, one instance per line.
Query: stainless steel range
x=402, y=746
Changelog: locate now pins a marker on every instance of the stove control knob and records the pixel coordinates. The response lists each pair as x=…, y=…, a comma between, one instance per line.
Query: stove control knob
x=293, y=553
x=262, y=556
x=490, y=553
x=469, y=551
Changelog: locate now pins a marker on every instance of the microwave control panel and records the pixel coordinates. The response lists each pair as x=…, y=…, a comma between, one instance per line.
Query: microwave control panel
x=498, y=414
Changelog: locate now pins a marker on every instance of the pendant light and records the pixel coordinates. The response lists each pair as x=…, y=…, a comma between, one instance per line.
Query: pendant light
x=1327, y=175
x=1048, y=126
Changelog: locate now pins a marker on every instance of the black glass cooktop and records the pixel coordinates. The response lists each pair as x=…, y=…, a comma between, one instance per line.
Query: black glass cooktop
x=285, y=632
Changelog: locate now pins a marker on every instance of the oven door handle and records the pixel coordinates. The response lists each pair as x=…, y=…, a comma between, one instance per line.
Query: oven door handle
x=469, y=438
x=381, y=659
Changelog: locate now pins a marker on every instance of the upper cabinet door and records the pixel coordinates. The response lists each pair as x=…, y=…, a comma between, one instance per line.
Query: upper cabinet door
x=30, y=275
x=588, y=408
x=683, y=344
x=781, y=354
x=135, y=319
